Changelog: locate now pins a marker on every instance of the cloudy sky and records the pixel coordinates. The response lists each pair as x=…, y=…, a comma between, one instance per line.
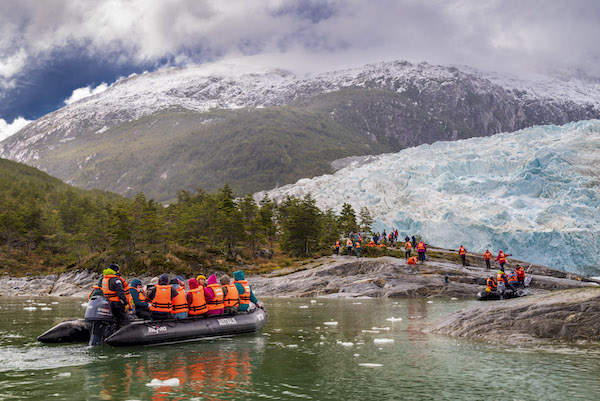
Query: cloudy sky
x=53, y=52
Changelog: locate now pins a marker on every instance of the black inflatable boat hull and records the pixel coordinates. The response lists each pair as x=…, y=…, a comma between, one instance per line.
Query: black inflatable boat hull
x=156, y=332
x=145, y=332
x=494, y=296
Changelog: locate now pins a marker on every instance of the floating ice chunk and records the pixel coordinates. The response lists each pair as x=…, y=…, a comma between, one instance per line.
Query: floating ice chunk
x=346, y=344
x=371, y=331
x=356, y=355
x=312, y=301
x=429, y=302
x=64, y=374
x=380, y=328
x=370, y=365
x=276, y=329
x=453, y=299
x=162, y=383
x=41, y=304
x=30, y=308
x=292, y=345
x=394, y=319
x=356, y=303
x=266, y=334
x=303, y=307
x=55, y=303
x=383, y=340
x=30, y=300
x=85, y=304
x=45, y=308
x=331, y=323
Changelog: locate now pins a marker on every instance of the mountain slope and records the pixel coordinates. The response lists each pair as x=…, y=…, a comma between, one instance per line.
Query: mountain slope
x=534, y=193
x=256, y=130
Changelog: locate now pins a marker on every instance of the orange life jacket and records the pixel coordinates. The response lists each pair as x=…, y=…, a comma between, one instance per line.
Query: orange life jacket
x=501, y=258
x=512, y=277
x=408, y=245
x=128, y=293
x=109, y=294
x=162, y=299
x=357, y=245
x=245, y=297
x=487, y=255
x=217, y=302
x=499, y=276
x=180, y=301
x=141, y=295
x=198, y=306
x=420, y=246
x=520, y=273
x=491, y=283
x=96, y=287
x=412, y=260
x=233, y=297
x=462, y=251
x=337, y=244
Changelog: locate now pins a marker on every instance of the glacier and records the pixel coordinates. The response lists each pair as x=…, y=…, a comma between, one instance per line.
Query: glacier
x=532, y=193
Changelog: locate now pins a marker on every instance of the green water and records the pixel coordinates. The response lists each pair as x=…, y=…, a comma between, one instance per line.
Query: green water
x=296, y=356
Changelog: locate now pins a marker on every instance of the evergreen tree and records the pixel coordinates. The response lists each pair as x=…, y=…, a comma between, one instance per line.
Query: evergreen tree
x=347, y=219
x=366, y=220
x=301, y=225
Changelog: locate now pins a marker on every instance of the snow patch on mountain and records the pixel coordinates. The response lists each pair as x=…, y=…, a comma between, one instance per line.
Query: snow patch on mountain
x=534, y=193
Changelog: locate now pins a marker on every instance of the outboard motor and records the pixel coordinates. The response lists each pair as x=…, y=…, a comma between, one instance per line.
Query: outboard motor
x=501, y=288
x=101, y=319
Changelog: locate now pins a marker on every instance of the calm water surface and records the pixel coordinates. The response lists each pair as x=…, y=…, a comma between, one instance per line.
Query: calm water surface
x=296, y=356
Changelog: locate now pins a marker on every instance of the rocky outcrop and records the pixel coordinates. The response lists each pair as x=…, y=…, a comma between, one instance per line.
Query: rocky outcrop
x=571, y=316
x=347, y=277
x=72, y=284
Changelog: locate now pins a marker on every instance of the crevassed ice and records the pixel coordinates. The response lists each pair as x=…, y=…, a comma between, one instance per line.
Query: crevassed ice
x=533, y=193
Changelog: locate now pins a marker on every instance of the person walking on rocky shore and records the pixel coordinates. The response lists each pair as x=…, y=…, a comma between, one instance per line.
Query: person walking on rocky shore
x=407, y=249
x=501, y=259
x=463, y=255
x=421, y=249
x=487, y=256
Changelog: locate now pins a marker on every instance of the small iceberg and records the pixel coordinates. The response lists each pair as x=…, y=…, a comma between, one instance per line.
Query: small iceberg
x=370, y=365
x=55, y=303
x=356, y=303
x=429, y=302
x=383, y=340
x=41, y=304
x=303, y=307
x=162, y=383
x=453, y=299
x=312, y=301
x=331, y=323
x=292, y=345
x=64, y=374
x=345, y=344
x=45, y=308
x=371, y=331
x=380, y=328
x=30, y=308
x=85, y=304
x=394, y=319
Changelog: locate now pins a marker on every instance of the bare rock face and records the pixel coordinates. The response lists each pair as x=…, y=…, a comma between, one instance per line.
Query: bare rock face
x=72, y=284
x=571, y=316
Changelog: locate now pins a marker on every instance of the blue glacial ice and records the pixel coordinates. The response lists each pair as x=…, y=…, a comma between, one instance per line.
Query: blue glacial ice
x=533, y=193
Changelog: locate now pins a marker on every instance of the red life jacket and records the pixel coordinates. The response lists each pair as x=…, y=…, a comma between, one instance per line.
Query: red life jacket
x=162, y=299
x=245, y=297
x=487, y=255
x=180, y=301
x=462, y=251
x=109, y=294
x=520, y=273
x=232, y=298
x=198, y=306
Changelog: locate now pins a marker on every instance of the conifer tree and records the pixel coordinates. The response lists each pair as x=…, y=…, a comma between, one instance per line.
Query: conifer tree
x=347, y=219
x=301, y=225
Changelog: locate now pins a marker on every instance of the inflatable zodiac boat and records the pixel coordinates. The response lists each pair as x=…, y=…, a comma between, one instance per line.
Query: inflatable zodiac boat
x=99, y=326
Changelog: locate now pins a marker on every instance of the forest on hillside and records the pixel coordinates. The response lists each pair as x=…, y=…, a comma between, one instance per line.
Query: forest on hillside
x=48, y=226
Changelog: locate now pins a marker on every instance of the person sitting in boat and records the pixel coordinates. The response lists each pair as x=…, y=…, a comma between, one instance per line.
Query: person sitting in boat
x=113, y=289
x=195, y=298
x=153, y=283
x=214, y=296
x=520, y=275
x=180, y=305
x=245, y=292
x=512, y=280
x=492, y=285
x=161, y=298
x=231, y=297
x=141, y=307
x=201, y=280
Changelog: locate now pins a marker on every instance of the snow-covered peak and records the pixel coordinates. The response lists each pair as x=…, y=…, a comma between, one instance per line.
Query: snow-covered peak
x=534, y=193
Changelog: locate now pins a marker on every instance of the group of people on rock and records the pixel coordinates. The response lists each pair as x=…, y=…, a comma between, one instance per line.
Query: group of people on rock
x=354, y=243
x=164, y=298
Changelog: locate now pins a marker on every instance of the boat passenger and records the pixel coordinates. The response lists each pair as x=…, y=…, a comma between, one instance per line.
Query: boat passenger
x=214, y=296
x=96, y=291
x=153, y=282
x=231, y=297
x=195, y=299
x=201, y=280
x=141, y=307
x=245, y=292
x=512, y=280
x=501, y=276
x=114, y=290
x=161, y=298
x=180, y=305
x=491, y=284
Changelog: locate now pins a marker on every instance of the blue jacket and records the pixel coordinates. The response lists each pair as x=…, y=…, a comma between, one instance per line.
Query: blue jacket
x=239, y=275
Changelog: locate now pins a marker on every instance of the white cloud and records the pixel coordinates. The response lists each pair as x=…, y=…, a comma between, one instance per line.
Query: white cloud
x=7, y=129
x=81, y=93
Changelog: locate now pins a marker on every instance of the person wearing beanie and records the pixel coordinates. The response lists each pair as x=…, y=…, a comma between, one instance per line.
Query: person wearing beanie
x=141, y=307
x=161, y=298
x=195, y=299
x=214, y=296
x=201, y=280
x=245, y=292
x=114, y=290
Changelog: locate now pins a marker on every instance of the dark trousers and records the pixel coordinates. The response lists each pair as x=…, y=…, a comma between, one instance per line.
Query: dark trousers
x=487, y=264
x=142, y=313
x=464, y=259
x=407, y=254
x=118, y=310
x=422, y=256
